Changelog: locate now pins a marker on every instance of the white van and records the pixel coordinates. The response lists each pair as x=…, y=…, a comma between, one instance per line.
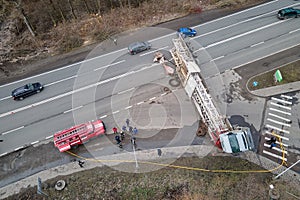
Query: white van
x=237, y=141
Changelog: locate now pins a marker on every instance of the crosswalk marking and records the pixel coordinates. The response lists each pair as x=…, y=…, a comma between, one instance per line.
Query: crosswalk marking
x=285, y=96
x=280, y=111
x=281, y=100
x=267, y=138
x=279, y=117
x=282, y=137
x=281, y=106
x=274, y=155
x=278, y=122
x=278, y=129
x=275, y=148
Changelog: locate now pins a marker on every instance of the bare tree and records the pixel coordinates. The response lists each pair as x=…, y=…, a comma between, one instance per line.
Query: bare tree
x=72, y=9
x=86, y=7
x=25, y=18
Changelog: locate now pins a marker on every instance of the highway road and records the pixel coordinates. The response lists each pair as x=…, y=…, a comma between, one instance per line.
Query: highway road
x=111, y=85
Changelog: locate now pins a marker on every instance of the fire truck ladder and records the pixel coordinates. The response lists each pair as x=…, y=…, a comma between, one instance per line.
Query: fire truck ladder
x=203, y=101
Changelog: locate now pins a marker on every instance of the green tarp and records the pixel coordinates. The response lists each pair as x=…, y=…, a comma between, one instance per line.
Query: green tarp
x=278, y=76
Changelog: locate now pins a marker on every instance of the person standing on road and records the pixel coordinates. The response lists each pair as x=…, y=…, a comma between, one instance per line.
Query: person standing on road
x=127, y=122
x=135, y=131
x=115, y=130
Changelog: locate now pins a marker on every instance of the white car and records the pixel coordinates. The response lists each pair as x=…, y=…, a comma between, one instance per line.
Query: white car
x=237, y=141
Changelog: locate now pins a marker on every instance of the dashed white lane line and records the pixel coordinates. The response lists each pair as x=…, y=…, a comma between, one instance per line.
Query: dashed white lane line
x=139, y=103
x=102, y=116
x=115, y=111
x=150, y=52
x=281, y=106
x=217, y=58
x=65, y=79
x=281, y=100
x=122, y=92
x=279, y=117
x=163, y=94
x=51, y=136
x=73, y=109
x=293, y=31
x=278, y=129
x=278, y=122
x=106, y=66
x=259, y=43
x=10, y=131
x=274, y=155
x=32, y=143
x=286, y=96
x=126, y=108
x=280, y=111
x=151, y=99
x=4, y=98
x=3, y=154
x=16, y=149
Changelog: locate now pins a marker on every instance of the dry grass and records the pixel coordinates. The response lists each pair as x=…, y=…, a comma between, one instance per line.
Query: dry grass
x=290, y=73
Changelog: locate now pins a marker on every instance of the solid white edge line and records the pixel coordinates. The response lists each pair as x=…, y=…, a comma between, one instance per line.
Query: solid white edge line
x=73, y=109
x=16, y=149
x=151, y=99
x=3, y=154
x=103, y=116
x=274, y=155
x=51, y=136
x=280, y=111
x=125, y=91
x=163, y=94
x=32, y=143
x=4, y=133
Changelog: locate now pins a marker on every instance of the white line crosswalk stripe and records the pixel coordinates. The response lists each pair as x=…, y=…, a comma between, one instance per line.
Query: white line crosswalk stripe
x=287, y=97
x=276, y=148
x=282, y=137
x=278, y=129
x=281, y=106
x=281, y=100
x=267, y=138
x=280, y=111
x=278, y=122
x=279, y=117
x=274, y=155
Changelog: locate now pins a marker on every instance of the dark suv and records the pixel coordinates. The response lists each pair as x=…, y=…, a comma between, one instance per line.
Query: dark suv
x=26, y=90
x=288, y=13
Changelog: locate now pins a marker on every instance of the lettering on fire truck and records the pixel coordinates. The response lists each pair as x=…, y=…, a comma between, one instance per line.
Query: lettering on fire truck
x=78, y=134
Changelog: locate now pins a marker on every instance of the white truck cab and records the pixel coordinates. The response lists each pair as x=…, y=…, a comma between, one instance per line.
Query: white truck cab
x=238, y=140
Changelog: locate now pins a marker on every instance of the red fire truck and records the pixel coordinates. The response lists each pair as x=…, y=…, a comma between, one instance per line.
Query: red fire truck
x=78, y=134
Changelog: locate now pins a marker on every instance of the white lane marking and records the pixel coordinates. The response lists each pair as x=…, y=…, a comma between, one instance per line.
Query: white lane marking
x=282, y=137
x=126, y=91
x=286, y=96
x=102, y=116
x=280, y=111
x=163, y=94
x=293, y=31
x=32, y=143
x=274, y=155
x=276, y=148
x=151, y=99
x=4, y=98
x=65, y=79
x=128, y=107
x=253, y=45
x=3, y=154
x=281, y=106
x=278, y=122
x=139, y=103
x=281, y=100
x=115, y=112
x=217, y=58
x=106, y=66
x=70, y=93
x=243, y=34
x=10, y=131
x=278, y=129
x=16, y=149
x=149, y=52
x=279, y=117
x=267, y=138
x=51, y=136
x=73, y=109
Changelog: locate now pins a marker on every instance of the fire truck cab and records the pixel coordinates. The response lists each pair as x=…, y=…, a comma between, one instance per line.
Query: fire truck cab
x=79, y=134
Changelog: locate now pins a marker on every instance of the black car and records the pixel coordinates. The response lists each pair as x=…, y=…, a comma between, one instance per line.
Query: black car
x=138, y=47
x=26, y=90
x=288, y=13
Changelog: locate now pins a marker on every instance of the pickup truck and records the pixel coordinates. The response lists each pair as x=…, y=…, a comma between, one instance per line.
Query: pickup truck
x=288, y=13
